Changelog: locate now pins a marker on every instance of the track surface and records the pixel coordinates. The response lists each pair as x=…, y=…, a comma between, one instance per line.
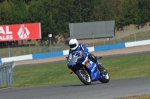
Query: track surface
x=115, y=88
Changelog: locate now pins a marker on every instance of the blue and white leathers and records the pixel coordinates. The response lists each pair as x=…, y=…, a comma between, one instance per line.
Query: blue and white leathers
x=86, y=65
x=81, y=47
x=94, y=72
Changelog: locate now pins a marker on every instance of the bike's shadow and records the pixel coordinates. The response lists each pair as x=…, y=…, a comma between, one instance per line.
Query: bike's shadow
x=76, y=85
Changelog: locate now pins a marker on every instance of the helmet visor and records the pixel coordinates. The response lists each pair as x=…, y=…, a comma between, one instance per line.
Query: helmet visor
x=72, y=45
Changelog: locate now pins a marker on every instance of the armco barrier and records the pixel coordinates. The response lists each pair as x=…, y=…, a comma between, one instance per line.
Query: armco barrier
x=137, y=43
x=48, y=54
x=65, y=52
x=109, y=47
x=17, y=58
x=6, y=73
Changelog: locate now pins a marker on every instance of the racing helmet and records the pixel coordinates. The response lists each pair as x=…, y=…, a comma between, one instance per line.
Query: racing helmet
x=73, y=44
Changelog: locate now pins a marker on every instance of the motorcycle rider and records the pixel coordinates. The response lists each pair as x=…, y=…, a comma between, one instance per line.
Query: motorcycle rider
x=75, y=46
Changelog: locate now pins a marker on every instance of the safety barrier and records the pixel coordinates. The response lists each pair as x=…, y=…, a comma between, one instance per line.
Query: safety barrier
x=65, y=52
x=6, y=73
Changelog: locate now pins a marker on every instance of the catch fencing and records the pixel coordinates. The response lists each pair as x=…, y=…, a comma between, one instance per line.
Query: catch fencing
x=126, y=34
x=6, y=73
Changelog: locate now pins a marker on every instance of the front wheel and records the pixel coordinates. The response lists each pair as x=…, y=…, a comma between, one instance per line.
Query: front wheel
x=105, y=76
x=83, y=76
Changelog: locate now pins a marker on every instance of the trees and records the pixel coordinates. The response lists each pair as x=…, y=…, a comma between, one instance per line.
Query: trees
x=55, y=15
x=129, y=13
x=143, y=11
x=44, y=11
x=2, y=1
x=104, y=10
x=12, y=13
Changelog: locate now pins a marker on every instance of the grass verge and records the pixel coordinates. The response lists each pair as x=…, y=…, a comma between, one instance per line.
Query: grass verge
x=145, y=96
x=54, y=73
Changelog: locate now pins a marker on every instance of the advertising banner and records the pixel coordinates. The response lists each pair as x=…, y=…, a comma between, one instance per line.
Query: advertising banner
x=25, y=31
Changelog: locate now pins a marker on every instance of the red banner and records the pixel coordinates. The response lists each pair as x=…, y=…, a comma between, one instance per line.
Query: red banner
x=20, y=32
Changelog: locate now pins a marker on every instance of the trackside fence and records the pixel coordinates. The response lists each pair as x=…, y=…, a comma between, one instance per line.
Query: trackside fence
x=6, y=73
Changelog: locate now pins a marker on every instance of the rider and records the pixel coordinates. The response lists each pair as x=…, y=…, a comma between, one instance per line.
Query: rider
x=75, y=46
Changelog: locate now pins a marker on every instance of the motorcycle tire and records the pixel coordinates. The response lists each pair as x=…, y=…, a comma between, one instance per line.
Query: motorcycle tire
x=105, y=76
x=83, y=76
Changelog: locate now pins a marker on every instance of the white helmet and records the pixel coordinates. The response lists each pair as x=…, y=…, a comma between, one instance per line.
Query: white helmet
x=73, y=43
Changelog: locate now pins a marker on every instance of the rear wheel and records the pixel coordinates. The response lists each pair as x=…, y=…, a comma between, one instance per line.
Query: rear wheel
x=83, y=76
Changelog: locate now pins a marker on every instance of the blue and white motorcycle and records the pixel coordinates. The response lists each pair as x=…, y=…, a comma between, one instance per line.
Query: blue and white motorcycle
x=86, y=69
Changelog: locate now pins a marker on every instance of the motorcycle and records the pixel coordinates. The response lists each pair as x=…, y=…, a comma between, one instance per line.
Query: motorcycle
x=86, y=69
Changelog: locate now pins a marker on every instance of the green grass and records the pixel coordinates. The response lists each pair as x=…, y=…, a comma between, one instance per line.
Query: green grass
x=54, y=73
x=128, y=67
x=43, y=74
x=144, y=96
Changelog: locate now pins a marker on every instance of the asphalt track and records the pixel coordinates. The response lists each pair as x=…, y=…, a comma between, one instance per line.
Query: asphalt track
x=115, y=88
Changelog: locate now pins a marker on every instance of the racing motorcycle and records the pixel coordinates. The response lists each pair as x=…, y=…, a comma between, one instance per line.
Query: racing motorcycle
x=86, y=69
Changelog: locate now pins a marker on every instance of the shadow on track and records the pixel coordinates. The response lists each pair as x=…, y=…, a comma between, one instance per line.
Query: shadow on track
x=76, y=85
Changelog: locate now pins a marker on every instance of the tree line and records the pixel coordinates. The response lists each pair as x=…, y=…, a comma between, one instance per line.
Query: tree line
x=55, y=15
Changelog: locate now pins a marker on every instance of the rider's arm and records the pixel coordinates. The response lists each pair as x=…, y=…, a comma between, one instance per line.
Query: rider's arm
x=84, y=48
